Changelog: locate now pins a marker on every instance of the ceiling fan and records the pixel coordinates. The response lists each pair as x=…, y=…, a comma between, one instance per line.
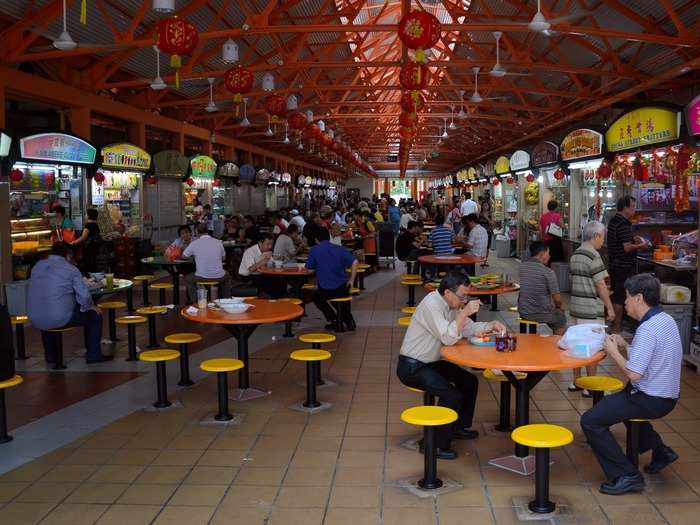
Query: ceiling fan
x=539, y=24
x=462, y=114
x=476, y=98
x=498, y=71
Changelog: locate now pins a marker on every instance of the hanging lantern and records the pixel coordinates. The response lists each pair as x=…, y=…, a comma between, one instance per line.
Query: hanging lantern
x=414, y=76
x=407, y=133
x=419, y=30
x=276, y=107
x=530, y=177
x=509, y=180
x=239, y=81
x=495, y=181
x=176, y=37
x=268, y=82
x=99, y=177
x=229, y=52
x=559, y=174
x=216, y=183
x=164, y=6
x=296, y=120
x=412, y=102
x=152, y=180
x=407, y=120
x=604, y=170
x=190, y=182
x=16, y=175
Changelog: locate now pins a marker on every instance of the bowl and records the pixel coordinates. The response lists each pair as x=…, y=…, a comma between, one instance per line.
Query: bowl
x=228, y=301
x=236, y=308
x=98, y=276
x=474, y=279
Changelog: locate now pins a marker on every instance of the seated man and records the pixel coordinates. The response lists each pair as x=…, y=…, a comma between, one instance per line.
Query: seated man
x=408, y=244
x=330, y=261
x=286, y=244
x=255, y=258
x=442, y=319
x=477, y=240
x=209, y=254
x=441, y=237
x=539, y=298
x=59, y=297
x=653, y=367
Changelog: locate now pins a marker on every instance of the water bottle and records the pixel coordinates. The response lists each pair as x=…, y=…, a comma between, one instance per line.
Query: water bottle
x=201, y=297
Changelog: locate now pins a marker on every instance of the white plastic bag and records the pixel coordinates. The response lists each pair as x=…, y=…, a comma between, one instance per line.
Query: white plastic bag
x=583, y=340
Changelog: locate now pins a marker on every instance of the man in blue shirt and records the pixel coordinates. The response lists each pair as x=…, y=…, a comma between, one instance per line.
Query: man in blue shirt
x=394, y=215
x=653, y=367
x=330, y=261
x=59, y=297
x=441, y=237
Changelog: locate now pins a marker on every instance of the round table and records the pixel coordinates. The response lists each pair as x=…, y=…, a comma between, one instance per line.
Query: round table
x=492, y=292
x=173, y=268
x=296, y=276
x=449, y=259
x=537, y=355
x=241, y=326
x=120, y=285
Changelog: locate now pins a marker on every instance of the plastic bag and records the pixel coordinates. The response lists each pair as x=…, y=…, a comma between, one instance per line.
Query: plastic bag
x=583, y=340
x=173, y=252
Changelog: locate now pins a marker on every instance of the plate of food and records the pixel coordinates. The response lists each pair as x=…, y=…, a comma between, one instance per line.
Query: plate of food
x=482, y=340
x=486, y=286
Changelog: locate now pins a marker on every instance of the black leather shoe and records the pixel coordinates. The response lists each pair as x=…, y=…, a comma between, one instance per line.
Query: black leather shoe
x=350, y=325
x=330, y=326
x=623, y=485
x=464, y=433
x=442, y=453
x=101, y=359
x=661, y=460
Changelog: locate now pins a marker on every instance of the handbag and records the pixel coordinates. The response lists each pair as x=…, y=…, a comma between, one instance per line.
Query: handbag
x=555, y=229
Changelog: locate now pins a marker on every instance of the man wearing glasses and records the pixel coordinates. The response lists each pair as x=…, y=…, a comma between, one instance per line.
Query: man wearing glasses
x=442, y=319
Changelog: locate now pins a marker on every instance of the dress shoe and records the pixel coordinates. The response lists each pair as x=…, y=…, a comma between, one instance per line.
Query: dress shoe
x=350, y=325
x=464, y=433
x=441, y=453
x=623, y=485
x=330, y=326
x=101, y=359
x=661, y=460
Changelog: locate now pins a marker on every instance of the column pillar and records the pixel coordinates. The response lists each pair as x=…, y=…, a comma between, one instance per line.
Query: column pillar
x=137, y=134
x=80, y=122
x=180, y=145
x=3, y=124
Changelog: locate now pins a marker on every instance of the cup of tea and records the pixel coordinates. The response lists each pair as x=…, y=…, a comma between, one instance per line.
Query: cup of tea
x=501, y=343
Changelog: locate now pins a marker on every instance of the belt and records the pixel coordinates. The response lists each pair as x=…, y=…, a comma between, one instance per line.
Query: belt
x=412, y=361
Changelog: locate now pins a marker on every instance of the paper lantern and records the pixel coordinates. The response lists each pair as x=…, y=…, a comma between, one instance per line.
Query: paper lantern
x=152, y=180
x=407, y=120
x=296, y=120
x=509, y=180
x=412, y=102
x=604, y=170
x=216, y=183
x=414, y=76
x=239, y=81
x=276, y=107
x=419, y=30
x=176, y=37
x=559, y=174
x=190, y=182
x=16, y=175
x=99, y=177
x=530, y=177
x=495, y=181
x=484, y=183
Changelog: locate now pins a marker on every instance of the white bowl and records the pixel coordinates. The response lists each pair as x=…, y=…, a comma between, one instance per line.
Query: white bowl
x=98, y=276
x=236, y=308
x=228, y=301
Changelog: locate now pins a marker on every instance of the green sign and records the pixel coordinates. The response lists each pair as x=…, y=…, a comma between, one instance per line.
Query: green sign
x=203, y=167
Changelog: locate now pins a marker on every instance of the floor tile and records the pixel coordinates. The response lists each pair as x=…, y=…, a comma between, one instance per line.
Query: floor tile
x=129, y=515
x=172, y=515
x=287, y=516
x=198, y=495
x=74, y=514
x=104, y=493
x=147, y=494
x=302, y=497
x=19, y=513
x=345, y=516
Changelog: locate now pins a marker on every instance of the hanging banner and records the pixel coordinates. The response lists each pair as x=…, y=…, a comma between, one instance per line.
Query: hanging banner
x=581, y=143
x=124, y=155
x=170, y=163
x=692, y=117
x=57, y=147
x=643, y=127
x=544, y=153
x=519, y=160
x=502, y=165
x=203, y=167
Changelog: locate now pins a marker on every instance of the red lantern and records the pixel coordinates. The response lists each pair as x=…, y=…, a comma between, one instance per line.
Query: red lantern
x=509, y=180
x=407, y=133
x=604, y=170
x=216, y=183
x=414, y=76
x=495, y=181
x=190, y=182
x=419, y=30
x=407, y=120
x=484, y=183
x=152, y=180
x=276, y=107
x=559, y=174
x=16, y=175
x=312, y=131
x=239, y=81
x=296, y=120
x=176, y=37
x=412, y=102
x=530, y=177
x=99, y=177
x=326, y=140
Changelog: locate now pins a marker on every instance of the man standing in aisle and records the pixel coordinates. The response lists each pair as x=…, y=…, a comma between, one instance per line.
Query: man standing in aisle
x=209, y=255
x=622, y=255
x=469, y=206
x=653, y=367
x=442, y=319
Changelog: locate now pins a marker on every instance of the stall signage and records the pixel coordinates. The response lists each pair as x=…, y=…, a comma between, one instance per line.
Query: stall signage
x=502, y=165
x=203, y=167
x=643, y=127
x=125, y=155
x=544, y=153
x=581, y=143
x=247, y=172
x=57, y=147
x=692, y=116
x=5, y=142
x=229, y=169
x=170, y=163
x=519, y=160
x=489, y=169
x=471, y=173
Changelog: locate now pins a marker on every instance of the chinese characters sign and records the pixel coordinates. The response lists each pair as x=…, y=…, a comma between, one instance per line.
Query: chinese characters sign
x=57, y=147
x=581, y=143
x=125, y=156
x=203, y=166
x=502, y=165
x=643, y=127
x=519, y=160
x=544, y=153
x=693, y=117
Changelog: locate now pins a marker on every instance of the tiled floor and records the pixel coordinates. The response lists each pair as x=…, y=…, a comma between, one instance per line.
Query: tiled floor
x=341, y=466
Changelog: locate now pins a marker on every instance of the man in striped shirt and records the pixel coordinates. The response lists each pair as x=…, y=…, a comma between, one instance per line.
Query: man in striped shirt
x=653, y=367
x=441, y=237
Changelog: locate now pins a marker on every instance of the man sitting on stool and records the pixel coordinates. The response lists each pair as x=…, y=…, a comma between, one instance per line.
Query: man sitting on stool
x=209, y=254
x=442, y=319
x=653, y=366
x=330, y=261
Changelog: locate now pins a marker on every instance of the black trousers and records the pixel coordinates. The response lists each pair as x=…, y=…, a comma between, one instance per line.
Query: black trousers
x=617, y=408
x=321, y=297
x=91, y=321
x=455, y=387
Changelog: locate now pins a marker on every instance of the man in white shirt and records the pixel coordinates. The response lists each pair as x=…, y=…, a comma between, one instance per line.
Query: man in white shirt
x=297, y=219
x=477, y=241
x=256, y=256
x=468, y=206
x=286, y=244
x=406, y=217
x=209, y=255
x=442, y=319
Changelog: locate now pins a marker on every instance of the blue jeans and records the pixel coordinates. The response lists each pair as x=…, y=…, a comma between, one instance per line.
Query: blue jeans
x=91, y=321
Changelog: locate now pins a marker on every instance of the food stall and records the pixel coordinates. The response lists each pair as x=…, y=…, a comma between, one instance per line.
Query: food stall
x=519, y=166
x=223, y=189
x=5, y=243
x=117, y=187
x=198, y=186
x=164, y=193
x=52, y=170
x=502, y=168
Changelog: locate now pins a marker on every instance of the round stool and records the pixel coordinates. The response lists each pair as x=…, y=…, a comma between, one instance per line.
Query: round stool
x=504, y=406
x=598, y=385
x=405, y=321
x=313, y=358
x=355, y=291
x=342, y=310
x=288, y=324
x=112, y=307
x=58, y=335
x=527, y=327
x=410, y=310
x=428, y=398
x=184, y=339
x=18, y=321
x=160, y=357
x=209, y=285
x=409, y=276
x=542, y=437
x=309, y=286
x=222, y=366
x=411, y=284
x=632, y=439
x=131, y=321
x=359, y=277
x=150, y=312
x=316, y=339
x=429, y=417
x=8, y=383
x=144, y=280
x=161, y=287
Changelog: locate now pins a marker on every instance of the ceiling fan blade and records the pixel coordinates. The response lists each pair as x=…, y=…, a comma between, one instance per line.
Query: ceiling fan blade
x=572, y=16
x=518, y=74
